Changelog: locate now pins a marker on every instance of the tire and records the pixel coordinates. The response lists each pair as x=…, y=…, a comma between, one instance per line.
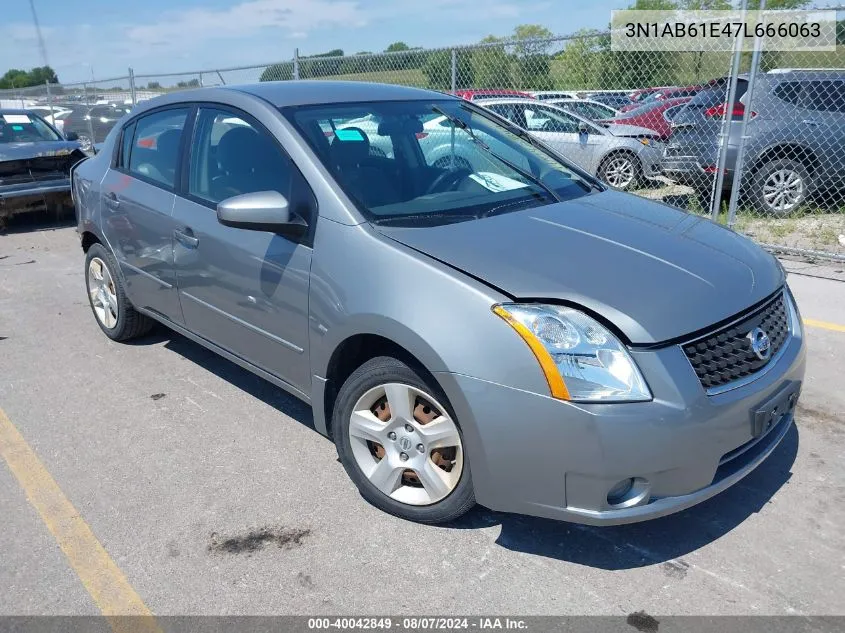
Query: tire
x=361, y=395
x=771, y=175
x=112, y=310
x=85, y=142
x=610, y=170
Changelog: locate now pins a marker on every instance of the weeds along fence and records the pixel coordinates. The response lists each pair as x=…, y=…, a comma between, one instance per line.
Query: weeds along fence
x=782, y=189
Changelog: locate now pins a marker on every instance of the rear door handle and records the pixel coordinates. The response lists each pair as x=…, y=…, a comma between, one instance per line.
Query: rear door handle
x=809, y=122
x=186, y=239
x=112, y=200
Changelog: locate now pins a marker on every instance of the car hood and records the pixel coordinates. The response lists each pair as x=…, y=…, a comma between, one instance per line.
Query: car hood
x=623, y=129
x=655, y=272
x=39, y=149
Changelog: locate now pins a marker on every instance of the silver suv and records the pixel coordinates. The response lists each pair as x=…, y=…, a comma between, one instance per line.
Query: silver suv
x=796, y=138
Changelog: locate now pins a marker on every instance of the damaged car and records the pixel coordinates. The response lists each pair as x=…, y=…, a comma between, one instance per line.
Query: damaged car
x=35, y=164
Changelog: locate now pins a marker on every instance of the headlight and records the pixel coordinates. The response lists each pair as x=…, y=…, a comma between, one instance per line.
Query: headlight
x=582, y=359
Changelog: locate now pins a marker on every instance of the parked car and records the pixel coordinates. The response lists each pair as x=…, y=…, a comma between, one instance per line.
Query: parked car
x=586, y=108
x=616, y=100
x=92, y=125
x=547, y=95
x=795, y=145
x=35, y=163
x=655, y=115
x=642, y=93
x=52, y=115
x=519, y=336
x=663, y=94
x=621, y=156
x=472, y=95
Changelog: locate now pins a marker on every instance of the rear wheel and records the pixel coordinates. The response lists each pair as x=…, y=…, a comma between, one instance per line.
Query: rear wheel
x=400, y=443
x=779, y=187
x=622, y=171
x=114, y=313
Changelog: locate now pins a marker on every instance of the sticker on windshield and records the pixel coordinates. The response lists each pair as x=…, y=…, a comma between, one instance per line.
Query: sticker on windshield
x=348, y=135
x=16, y=118
x=17, y=128
x=497, y=182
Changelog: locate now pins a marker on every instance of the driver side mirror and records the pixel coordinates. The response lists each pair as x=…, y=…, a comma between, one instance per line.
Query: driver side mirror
x=583, y=128
x=261, y=211
x=72, y=136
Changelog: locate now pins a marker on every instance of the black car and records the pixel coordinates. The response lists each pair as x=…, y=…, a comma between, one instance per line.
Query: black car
x=616, y=100
x=93, y=124
x=35, y=164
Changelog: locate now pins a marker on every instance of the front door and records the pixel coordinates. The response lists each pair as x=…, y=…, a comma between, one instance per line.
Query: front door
x=244, y=290
x=137, y=210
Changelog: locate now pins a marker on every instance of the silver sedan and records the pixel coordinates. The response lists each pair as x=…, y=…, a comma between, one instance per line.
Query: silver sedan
x=623, y=156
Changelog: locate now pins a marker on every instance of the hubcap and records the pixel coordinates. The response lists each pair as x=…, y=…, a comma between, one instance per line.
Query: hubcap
x=102, y=292
x=619, y=172
x=406, y=444
x=783, y=190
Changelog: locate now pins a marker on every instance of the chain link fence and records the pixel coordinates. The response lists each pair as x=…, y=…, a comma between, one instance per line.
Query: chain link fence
x=671, y=126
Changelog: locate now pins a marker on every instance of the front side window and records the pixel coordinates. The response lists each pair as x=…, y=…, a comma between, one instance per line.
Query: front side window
x=451, y=161
x=230, y=157
x=155, y=149
x=25, y=128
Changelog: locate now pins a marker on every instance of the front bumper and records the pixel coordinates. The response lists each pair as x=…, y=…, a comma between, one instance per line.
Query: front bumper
x=535, y=455
x=25, y=195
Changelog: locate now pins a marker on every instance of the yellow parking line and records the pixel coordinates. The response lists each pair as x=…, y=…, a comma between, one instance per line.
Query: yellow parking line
x=100, y=576
x=825, y=325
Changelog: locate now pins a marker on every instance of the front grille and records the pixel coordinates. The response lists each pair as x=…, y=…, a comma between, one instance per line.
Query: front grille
x=725, y=355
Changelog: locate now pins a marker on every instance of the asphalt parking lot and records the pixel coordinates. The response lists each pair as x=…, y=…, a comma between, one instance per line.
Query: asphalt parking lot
x=211, y=493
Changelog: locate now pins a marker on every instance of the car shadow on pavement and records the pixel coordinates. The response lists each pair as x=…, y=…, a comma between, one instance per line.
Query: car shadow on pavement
x=232, y=373
x=662, y=540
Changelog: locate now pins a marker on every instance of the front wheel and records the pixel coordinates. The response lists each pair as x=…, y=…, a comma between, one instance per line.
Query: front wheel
x=400, y=443
x=622, y=171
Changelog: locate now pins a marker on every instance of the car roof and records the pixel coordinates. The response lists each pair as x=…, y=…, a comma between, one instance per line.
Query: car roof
x=307, y=92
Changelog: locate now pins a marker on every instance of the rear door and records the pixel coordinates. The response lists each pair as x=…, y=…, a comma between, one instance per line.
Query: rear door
x=244, y=290
x=574, y=137
x=822, y=125
x=137, y=210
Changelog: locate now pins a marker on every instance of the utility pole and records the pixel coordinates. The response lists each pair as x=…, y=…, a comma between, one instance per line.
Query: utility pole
x=41, y=44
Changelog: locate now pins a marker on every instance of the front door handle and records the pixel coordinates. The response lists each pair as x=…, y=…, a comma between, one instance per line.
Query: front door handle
x=186, y=239
x=112, y=200
x=809, y=122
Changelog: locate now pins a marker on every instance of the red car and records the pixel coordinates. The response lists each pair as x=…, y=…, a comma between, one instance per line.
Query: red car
x=638, y=95
x=661, y=94
x=654, y=115
x=491, y=93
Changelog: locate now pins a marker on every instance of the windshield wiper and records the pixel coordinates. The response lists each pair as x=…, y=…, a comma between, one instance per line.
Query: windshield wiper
x=414, y=217
x=525, y=174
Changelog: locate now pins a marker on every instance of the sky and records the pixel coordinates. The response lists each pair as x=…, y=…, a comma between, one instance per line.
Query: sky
x=101, y=38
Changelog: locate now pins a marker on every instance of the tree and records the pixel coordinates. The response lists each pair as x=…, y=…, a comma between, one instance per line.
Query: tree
x=153, y=85
x=397, y=46
x=529, y=32
x=580, y=62
x=17, y=78
x=532, y=59
x=438, y=70
x=277, y=72
x=492, y=65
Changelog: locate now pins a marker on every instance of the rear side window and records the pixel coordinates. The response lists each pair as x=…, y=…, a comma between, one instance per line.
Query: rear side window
x=789, y=91
x=155, y=150
x=826, y=96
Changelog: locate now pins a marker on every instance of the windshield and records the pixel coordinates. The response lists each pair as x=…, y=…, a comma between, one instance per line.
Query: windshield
x=416, y=162
x=25, y=128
